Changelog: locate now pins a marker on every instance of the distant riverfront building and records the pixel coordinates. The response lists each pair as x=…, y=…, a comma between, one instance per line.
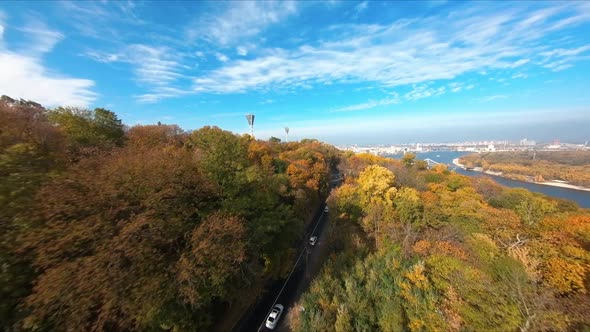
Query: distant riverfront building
x=526, y=142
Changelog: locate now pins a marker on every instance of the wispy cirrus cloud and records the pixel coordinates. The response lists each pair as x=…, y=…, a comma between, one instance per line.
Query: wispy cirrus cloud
x=41, y=39
x=157, y=68
x=239, y=20
x=424, y=91
x=97, y=19
x=492, y=98
x=361, y=7
x=520, y=75
x=458, y=87
x=391, y=100
x=418, y=92
x=403, y=53
x=561, y=58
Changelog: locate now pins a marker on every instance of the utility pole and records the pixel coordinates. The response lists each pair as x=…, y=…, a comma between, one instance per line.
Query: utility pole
x=250, y=118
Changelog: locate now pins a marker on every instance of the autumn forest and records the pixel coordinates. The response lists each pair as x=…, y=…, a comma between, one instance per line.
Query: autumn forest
x=105, y=227
x=108, y=228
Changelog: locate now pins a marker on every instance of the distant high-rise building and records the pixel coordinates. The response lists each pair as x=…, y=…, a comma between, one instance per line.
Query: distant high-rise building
x=526, y=142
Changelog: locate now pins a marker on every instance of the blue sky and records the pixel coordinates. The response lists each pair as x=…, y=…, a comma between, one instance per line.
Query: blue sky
x=341, y=71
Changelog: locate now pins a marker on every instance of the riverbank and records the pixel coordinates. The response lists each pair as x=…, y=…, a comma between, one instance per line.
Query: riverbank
x=546, y=183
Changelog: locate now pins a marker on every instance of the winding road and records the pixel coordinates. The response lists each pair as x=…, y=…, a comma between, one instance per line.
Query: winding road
x=287, y=291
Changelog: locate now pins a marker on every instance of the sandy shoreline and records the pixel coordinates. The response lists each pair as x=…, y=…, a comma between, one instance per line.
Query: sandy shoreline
x=563, y=185
x=546, y=183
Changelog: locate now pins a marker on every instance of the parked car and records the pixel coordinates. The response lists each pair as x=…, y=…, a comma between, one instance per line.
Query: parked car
x=274, y=316
x=313, y=240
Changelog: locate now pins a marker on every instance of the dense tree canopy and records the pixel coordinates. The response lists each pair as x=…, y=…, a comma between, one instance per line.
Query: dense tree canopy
x=153, y=228
x=146, y=228
x=451, y=253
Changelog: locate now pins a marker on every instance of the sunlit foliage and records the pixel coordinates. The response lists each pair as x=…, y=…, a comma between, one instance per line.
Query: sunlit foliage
x=570, y=166
x=109, y=228
x=457, y=254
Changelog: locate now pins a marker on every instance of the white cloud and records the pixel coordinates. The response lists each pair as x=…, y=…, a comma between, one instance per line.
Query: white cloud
x=160, y=92
x=519, y=63
x=402, y=53
x=520, y=75
x=152, y=65
x=561, y=58
x=242, y=51
x=103, y=57
x=98, y=19
x=241, y=19
x=457, y=87
x=370, y=104
x=424, y=91
x=39, y=37
x=562, y=52
x=221, y=57
x=491, y=98
x=561, y=67
x=158, y=68
x=25, y=77
x=361, y=7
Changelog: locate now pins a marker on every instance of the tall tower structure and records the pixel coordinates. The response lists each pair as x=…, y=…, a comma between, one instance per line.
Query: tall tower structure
x=286, y=134
x=250, y=118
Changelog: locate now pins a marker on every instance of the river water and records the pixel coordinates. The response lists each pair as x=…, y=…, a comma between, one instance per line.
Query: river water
x=446, y=157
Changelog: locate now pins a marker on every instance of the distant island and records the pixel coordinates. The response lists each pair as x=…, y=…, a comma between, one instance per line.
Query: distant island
x=569, y=169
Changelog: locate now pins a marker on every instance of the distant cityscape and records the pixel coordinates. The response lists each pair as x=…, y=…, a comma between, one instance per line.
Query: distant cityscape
x=470, y=146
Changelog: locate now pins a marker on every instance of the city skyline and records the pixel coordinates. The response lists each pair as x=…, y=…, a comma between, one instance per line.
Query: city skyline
x=342, y=72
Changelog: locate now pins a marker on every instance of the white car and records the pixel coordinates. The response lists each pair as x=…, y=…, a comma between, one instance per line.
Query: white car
x=273, y=317
x=326, y=209
x=313, y=240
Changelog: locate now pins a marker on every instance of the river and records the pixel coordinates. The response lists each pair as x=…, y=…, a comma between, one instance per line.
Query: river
x=446, y=157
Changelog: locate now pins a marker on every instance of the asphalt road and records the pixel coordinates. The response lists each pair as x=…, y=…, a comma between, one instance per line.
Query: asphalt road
x=287, y=291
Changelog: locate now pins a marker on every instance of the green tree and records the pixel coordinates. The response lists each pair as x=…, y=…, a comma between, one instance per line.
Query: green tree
x=532, y=209
x=408, y=205
x=107, y=125
x=223, y=156
x=409, y=159
x=88, y=130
